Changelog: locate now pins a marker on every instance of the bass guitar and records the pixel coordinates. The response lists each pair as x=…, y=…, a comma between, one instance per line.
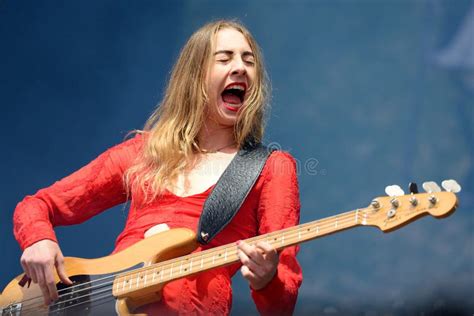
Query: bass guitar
x=123, y=282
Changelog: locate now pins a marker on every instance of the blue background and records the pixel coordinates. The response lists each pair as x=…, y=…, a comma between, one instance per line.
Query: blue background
x=365, y=94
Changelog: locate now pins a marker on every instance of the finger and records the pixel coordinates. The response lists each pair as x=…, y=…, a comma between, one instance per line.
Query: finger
x=35, y=275
x=250, y=264
x=62, y=270
x=43, y=287
x=50, y=283
x=26, y=269
x=270, y=252
x=251, y=251
x=248, y=274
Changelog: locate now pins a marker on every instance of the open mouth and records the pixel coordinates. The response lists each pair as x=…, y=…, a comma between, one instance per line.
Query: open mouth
x=233, y=95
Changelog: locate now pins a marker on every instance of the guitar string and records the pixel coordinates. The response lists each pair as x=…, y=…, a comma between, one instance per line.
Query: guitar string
x=249, y=240
x=211, y=250
x=166, y=264
x=322, y=227
x=35, y=305
x=63, y=302
x=207, y=258
x=95, y=300
x=295, y=230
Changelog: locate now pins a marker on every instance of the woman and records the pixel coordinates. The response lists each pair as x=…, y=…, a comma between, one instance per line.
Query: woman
x=214, y=104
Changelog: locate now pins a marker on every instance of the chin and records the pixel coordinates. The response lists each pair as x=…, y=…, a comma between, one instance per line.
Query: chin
x=226, y=116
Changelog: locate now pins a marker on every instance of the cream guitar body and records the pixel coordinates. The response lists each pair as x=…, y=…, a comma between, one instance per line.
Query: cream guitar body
x=95, y=296
x=123, y=282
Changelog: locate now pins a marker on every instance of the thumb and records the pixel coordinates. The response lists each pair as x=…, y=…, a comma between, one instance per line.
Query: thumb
x=61, y=270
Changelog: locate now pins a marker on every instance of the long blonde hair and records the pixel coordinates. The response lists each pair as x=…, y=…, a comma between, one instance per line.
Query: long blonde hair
x=172, y=129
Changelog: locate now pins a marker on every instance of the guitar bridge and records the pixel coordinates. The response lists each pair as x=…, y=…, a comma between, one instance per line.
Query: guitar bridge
x=11, y=310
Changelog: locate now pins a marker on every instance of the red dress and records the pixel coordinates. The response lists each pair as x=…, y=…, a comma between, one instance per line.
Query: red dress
x=272, y=204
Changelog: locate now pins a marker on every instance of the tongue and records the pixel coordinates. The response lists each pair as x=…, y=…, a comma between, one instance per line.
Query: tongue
x=230, y=98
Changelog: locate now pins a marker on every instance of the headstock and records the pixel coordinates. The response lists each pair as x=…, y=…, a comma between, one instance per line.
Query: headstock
x=391, y=212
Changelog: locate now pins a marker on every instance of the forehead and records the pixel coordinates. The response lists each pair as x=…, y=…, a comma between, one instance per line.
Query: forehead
x=231, y=39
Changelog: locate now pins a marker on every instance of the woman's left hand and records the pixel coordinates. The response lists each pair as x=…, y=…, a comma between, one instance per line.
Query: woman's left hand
x=259, y=263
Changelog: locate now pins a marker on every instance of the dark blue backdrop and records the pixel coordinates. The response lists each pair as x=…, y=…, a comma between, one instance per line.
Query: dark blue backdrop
x=365, y=94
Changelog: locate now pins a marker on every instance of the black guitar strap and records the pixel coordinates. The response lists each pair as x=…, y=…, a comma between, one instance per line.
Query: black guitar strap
x=230, y=191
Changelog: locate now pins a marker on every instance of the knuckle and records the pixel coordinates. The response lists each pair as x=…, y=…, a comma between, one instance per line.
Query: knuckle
x=259, y=273
x=36, y=261
x=27, y=263
x=46, y=261
x=252, y=266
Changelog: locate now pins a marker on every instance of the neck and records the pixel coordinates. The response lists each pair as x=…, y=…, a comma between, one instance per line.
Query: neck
x=213, y=138
x=173, y=269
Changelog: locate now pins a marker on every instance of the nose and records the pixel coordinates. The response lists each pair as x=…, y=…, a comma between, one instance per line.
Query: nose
x=238, y=67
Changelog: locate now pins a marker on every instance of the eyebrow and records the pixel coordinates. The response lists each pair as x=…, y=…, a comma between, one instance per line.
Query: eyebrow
x=229, y=52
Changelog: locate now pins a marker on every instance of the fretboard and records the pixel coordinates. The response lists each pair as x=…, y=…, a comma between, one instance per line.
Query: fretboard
x=181, y=267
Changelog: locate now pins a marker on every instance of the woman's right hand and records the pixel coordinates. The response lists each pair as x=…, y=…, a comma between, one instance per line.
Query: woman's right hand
x=39, y=261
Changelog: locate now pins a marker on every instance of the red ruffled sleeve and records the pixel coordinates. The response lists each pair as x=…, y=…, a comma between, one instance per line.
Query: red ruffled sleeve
x=76, y=198
x=279, y=208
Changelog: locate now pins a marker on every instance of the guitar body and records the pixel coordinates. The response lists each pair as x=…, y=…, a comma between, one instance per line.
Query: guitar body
x=98, y=300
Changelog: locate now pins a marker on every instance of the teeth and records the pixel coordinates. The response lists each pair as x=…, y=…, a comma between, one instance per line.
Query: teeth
x=236, y=86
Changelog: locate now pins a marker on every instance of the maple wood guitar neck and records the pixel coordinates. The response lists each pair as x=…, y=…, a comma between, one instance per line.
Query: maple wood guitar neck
x=167, y=271
x=381, y=213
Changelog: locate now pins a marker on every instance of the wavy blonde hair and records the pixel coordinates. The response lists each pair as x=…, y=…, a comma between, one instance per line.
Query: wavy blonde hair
x=172, y=129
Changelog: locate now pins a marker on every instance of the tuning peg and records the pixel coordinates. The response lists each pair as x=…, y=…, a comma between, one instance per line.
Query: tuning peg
x=451, y=186
x=394, y=190
x=413, y=188
x=431, y=186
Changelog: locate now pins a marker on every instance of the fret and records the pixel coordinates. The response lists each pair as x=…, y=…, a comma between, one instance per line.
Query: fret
x=217, y=257
x=227, y=254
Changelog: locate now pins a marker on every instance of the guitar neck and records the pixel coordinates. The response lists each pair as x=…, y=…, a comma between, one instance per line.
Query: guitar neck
x=170, y=270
